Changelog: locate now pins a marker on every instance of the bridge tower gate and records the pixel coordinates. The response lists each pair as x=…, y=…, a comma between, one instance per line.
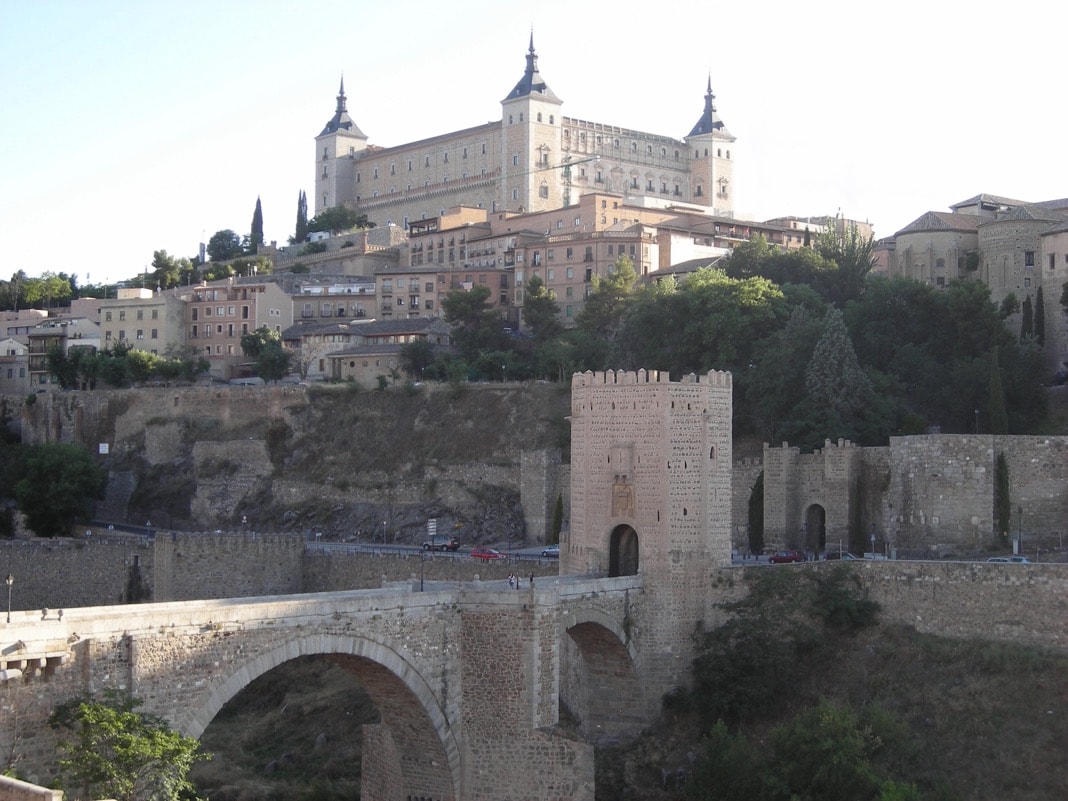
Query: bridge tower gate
x=651, y=496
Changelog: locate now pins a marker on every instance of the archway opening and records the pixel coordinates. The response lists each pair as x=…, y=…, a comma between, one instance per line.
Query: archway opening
x=601, y=691
x=338, y=723
x=623, y=552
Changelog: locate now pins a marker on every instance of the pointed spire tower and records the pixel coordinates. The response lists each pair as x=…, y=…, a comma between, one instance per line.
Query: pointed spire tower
x=337, y=149
x=530, y=137
x=713, y=165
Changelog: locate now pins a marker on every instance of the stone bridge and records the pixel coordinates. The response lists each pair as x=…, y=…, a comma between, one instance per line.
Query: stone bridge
x=467, y=678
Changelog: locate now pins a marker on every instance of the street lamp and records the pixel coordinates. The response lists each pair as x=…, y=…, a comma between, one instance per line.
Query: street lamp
x=1019, y=538
x=502, y=374
x=9, y=581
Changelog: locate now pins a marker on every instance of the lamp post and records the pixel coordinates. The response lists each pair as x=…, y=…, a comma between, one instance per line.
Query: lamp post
x=1019, y=537
x=502, y=374
x=976, y=421
x=9, y=581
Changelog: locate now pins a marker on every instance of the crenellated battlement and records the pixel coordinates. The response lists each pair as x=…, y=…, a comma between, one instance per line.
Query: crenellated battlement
x=718, y=378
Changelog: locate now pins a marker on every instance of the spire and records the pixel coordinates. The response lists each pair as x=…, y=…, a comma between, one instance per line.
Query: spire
x=710, y=120
x=532, y=82
x=341, y=121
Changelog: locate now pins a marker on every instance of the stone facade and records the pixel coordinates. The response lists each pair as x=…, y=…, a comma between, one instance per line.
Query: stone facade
x=923, y=495
x=532, y=159
x=651, y=495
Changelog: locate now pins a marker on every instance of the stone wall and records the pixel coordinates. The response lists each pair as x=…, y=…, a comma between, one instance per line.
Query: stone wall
x=15, y=790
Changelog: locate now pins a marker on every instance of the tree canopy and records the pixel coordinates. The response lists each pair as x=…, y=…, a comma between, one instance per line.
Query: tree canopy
x=110, y=749
x=59, y=482
x=225, y=245
x=337, y=219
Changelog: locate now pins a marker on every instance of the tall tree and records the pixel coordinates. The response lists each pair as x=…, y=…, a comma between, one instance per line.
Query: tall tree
x=1040, y=318
x=301, y=232
x=603, y=312
x=998, y=416
x=476, y=326
x=255, y=237
x=1027, y=321
x=541, y=311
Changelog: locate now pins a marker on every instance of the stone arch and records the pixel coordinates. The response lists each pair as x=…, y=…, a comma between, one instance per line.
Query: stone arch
x=601, y=686
x=425, y=746
x=623, y=551
x=814, y=528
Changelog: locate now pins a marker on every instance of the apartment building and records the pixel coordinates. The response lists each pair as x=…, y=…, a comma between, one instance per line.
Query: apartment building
x=14, y=367
x=143, y=320
x=64, y=333
x=219, y=313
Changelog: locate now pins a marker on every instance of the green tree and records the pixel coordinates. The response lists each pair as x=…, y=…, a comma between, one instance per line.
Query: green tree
x=541, y=312
x=301, y=232
x=998, y=416
x=756, y=516
x=476, y=326
x=141, y=365
x=1027, y=319
x=558, y=520
x=1002, y=500
x=603, y=312
x=1040, y=318
x=416, y=357
x=59, y=482
x=264, y=345
x=224, y=245
x=337, y=219
x=854, y=255
x=110, y=749
x=168, y=271
x=255, y=237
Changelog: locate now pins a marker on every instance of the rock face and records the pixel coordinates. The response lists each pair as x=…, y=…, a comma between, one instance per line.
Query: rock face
x=330, y=459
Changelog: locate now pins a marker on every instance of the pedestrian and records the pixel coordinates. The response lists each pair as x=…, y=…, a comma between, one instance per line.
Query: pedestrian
x=532, y=580
x=511, y=581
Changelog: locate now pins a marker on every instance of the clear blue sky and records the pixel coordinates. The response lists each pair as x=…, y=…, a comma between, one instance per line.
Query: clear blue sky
x=129, y=126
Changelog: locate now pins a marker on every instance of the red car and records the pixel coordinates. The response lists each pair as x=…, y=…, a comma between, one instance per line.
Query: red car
x=485, y=554
x=784, y=557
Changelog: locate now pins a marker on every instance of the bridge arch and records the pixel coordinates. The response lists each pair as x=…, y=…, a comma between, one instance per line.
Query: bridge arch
x=600, y=685
x=429, y=753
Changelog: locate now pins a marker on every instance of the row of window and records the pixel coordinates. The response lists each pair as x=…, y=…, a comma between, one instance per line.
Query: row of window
x=220, y=311
x=205, y=331
x=139, y=334
x=122, y=314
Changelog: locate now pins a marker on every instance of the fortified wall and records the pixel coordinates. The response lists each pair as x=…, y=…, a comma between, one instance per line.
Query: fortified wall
x=921, y=495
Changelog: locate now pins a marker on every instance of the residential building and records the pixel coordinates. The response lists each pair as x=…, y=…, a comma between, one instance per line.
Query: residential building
x=14, y=367
x=219, y=313
x=143, y=320
x=534, y=158
x=330, y=302
x=379, y=352
x=63, y=333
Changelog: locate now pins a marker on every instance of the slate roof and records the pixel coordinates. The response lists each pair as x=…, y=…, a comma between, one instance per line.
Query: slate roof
x=943, y=221
x=532, y=82
x=709, y=120
x=341, y=121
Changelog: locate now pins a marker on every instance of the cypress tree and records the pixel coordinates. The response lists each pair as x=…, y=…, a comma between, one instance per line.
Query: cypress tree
x=1002, y=501
x=302, y=219
x=756, y=516
x=1027, y=326
x=999, y=418
x=255, y=238
x=1040, y=319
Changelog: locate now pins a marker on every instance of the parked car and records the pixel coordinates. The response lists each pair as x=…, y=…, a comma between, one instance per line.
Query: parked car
x=784, y=557
x=485, y=554
x=551, y=552
x=1016, y=560
x=441, y=542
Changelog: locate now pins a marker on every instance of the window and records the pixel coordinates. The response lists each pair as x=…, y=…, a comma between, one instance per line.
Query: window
x=107, y=316
x=220, y=311
x=569, y=292
x=140, y=314
x=543, y=191
x=122, y=334
x=570, y=272
x=1029, y=258
x=207, y=311
x=140, y=333
x=515, y=160
x=155, y=314
x=122, y=314
x=155, y=333
x=376, y=172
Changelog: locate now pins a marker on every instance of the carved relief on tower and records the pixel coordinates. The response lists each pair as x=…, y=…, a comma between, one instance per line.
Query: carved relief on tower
x=622, y=498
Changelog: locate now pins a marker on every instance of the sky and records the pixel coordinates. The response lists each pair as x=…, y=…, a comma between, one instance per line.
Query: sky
x=131, y=126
